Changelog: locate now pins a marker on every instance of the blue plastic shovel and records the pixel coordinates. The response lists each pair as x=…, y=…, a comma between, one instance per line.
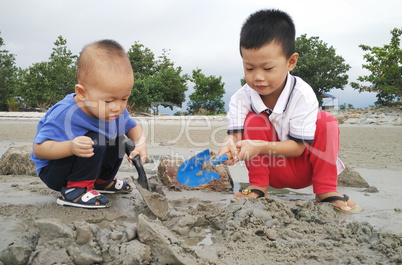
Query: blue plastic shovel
x=190, y=173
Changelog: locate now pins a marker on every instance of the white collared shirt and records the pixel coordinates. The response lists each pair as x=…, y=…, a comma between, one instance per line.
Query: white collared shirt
x=293, y=117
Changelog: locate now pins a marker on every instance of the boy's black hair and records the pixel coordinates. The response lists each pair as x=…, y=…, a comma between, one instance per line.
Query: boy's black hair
x=106, y=47
x=265, y=26
x=110, y=46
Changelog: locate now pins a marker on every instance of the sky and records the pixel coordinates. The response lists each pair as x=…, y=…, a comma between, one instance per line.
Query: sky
x=198, y=34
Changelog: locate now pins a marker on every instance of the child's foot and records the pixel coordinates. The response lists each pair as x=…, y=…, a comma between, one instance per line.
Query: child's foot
x=341, y=202
x=115, y=185
x=81, y=198
x=251, y=192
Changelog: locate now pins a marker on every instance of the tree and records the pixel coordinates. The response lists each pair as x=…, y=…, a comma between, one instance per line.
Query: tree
x=143, y=94
x=319, y=66
x=208, y=94
x=243, y=81
x=142, y=60
x=173, y=82
x=63, y=68
x=45, y=83
x=385, y=65
x=8, y=74
x=157, y=82
x=34, y=86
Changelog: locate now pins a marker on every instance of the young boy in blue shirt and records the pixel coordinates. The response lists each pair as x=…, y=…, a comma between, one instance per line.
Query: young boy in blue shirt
x=79, y=144
x=274, y=121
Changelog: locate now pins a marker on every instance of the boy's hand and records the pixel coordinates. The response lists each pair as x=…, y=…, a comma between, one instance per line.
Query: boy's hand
x=226, y=149
x=230, y=146
x=140, y=150
x=136, y=134
x=82, y=146
x=250, y=148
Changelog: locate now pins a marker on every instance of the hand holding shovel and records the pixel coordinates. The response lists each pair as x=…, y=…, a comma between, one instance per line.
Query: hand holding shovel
x=156, y=202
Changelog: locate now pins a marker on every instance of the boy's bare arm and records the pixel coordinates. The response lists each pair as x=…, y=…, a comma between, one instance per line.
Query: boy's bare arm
x=79, y=146
x=287, y=148
x=136, y=134
x=229, y=145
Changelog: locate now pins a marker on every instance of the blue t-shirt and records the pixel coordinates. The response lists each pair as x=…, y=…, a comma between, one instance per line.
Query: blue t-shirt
x=65, y=121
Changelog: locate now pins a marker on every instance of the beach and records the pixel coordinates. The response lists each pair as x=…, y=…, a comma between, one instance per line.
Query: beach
x=286, y=227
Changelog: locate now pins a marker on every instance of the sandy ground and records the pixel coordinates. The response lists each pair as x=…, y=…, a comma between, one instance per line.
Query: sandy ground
x=207, y=227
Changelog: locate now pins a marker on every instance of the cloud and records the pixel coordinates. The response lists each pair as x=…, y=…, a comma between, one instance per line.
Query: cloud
x=199, y=34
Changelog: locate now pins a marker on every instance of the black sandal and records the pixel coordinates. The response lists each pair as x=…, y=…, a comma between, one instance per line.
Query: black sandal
x=118, y=186
x=345, y=198
x=247, y=191
x=81, y=198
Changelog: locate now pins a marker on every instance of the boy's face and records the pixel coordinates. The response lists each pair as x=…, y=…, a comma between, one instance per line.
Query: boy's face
x=266, y=69
x=106, y=97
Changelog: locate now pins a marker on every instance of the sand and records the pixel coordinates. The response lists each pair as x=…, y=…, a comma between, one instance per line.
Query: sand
x=286, y=227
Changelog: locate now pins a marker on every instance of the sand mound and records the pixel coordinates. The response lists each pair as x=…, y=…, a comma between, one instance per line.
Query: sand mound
x=211, y=232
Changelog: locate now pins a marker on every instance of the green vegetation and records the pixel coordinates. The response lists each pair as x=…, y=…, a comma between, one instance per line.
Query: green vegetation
x=157, y=82
x=385, y=65
x=319, y=65
x=344, y=107
x=207, y=98
x=8, y=76
x=45, y=83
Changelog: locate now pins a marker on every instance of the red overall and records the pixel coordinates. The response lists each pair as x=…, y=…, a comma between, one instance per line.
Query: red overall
x=316, y=166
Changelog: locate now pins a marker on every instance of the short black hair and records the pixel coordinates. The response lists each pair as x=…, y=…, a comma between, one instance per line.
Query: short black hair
x=265, y=26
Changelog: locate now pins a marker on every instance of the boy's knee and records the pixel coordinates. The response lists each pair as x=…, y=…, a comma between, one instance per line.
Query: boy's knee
x=325, y=121
x=56, y=186
x=256, y=121
x=324, y=117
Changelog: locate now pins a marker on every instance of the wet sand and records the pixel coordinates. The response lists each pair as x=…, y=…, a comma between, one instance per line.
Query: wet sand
x=207, y=227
